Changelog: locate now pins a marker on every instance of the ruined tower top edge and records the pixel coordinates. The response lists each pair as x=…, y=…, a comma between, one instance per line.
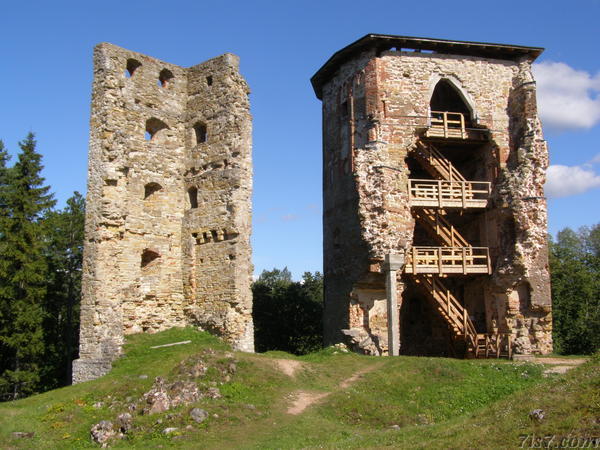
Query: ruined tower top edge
x=381, y=42
x=227, y=58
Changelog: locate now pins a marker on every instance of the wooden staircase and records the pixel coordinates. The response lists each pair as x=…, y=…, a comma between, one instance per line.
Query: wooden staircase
x=436, y=164
x=448, y=188
x=455, y=255
x=439, y=228
x=455, y=316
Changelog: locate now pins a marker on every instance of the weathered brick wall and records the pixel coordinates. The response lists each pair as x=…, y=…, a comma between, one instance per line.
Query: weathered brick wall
x=143, y=251
x=373, y=107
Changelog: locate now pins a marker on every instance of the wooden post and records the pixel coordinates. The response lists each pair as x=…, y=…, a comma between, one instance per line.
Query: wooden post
x=414, y=260
x=445, y=118
x=498, y=344
x=487, y=346
x=392, y=264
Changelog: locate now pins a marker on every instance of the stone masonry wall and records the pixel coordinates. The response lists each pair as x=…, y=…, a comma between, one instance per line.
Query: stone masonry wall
x=373, y=108
x=156, y=130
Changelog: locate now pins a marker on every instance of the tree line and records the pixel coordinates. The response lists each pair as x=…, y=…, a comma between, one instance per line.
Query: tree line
x=40, y=277
x=41, y=253
x=575, y=275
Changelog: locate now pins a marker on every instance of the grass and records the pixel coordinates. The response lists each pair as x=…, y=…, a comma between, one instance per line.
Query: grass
x=401, y=402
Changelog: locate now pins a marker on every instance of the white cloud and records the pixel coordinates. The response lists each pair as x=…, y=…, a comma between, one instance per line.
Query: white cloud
x=564, y=181
x=567, y=98
x=289, y=217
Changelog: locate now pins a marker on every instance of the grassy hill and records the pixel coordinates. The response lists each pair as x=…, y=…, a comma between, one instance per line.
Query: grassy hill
x=329, y=399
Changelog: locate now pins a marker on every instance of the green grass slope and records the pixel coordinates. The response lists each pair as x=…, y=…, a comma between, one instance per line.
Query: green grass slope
x=400, y=402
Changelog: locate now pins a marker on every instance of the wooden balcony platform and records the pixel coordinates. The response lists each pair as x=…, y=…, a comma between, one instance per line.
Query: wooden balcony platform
x=452, y=125
x=448, y=260
x=449, y=194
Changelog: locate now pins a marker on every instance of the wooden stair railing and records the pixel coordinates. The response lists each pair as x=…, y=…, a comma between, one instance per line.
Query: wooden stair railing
x=448, y=194
x=436, y=164
x=439, y=228
x=448, y=124
x=448, y=260
x=454, y=314
x=495, y=345
x=460, y=325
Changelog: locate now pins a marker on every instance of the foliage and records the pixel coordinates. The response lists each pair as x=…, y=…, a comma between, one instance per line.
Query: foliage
x=575, y=271
x=288, y=315
x=24, y=272
x=64, y=253
x=40, y=271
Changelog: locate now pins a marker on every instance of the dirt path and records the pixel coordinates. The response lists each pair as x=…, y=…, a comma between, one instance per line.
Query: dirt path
x=288, y=366
x=560, y=365
x=303, y=399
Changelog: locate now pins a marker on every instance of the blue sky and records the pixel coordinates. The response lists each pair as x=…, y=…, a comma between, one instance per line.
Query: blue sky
x=46, y=73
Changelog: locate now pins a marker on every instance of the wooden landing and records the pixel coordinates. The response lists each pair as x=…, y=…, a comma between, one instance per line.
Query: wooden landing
x=448, y=260
x=449, y=194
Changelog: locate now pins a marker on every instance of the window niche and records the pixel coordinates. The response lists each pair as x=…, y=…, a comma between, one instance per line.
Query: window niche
x=153, y=126
x=165, y=78
x=148, y=257
x=151, y=189
x=193, y=197
x=200, y=132
x=131, y=67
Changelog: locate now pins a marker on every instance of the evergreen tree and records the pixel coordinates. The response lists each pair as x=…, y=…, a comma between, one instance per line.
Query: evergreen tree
x=65, y=231
x=5, y=315
x=24, y=273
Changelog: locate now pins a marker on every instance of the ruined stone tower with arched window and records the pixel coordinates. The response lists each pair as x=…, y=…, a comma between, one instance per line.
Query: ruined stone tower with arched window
x=433, y=172
x=168, y=211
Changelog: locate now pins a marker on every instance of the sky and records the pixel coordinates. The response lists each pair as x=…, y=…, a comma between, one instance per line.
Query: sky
x=46, y=74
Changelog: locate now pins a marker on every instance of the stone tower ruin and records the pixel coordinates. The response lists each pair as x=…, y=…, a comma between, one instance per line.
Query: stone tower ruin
x=433, y=172
x=168, y=220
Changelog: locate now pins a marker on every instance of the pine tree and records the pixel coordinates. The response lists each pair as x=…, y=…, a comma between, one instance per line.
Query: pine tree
x=24, y=272
x=64, y=254
x=5, y=315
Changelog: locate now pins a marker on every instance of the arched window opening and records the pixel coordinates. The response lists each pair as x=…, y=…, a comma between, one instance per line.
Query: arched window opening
x=451, y=116
x=150, y=189
x=445, y=97
x=209, y=80
x=148, y=256
x=132, y=65
x=193, y=197
x=165, y=78
x=153, y=126
x=201, y=133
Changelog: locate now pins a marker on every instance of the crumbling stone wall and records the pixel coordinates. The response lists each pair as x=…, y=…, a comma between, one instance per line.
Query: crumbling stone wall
x=168, y=205
x=376, y=103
